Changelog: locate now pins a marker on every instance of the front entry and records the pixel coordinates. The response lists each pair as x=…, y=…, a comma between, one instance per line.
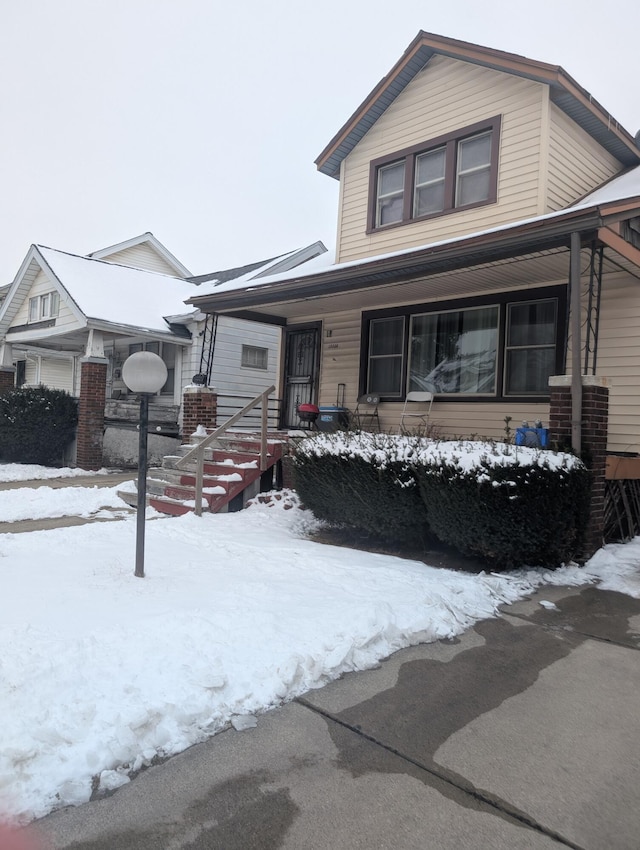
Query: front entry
x=301, y=372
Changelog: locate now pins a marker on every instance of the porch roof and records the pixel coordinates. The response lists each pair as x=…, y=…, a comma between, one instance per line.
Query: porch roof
x=520, y=254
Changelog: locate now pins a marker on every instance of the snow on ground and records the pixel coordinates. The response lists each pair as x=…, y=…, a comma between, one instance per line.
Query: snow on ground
x=46, y=502
x=100, y=671
x=34, y=472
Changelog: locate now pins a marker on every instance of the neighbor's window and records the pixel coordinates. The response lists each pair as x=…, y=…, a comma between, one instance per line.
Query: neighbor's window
x=505, y=349
x=451, y=172
x=44, y=306
x=254, y=357
x=167, y=351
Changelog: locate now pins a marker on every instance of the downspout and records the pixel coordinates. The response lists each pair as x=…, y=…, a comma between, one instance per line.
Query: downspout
x=576, y=346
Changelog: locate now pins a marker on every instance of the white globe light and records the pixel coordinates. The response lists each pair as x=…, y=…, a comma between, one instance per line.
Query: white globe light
x=144, y=372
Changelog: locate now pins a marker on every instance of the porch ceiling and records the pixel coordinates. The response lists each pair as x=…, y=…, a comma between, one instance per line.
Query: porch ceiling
x=534, y=270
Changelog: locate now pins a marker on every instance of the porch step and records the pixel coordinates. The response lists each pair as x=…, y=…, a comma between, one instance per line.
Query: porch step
x=231, y=474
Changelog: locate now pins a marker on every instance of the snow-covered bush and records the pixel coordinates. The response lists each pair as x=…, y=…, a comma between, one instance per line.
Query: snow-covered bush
x=363, y=481
x=509, y=504
x=36, y=424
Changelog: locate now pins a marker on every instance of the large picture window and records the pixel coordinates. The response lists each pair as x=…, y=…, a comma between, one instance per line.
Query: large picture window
x=442, y=175
x=506, y=348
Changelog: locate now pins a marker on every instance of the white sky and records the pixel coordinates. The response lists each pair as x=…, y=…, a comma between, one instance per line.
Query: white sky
x=200, y=120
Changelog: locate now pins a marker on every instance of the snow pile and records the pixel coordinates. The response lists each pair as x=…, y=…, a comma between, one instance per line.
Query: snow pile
x=101, y=671
x=34, y=472
x=47, y=502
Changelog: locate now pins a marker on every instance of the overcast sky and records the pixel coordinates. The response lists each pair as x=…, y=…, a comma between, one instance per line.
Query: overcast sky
x=200, y=120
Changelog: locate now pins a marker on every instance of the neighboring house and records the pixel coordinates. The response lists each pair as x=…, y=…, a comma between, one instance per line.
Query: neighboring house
x=480, y=192
x=64, y=312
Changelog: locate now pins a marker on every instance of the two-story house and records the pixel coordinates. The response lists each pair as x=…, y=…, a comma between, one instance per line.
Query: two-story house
x=488, y=240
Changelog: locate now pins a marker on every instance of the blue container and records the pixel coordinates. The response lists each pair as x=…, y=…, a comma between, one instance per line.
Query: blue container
x=537, y=438
x=332, y=418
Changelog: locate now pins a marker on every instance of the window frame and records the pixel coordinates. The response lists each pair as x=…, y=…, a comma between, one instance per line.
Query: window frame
x=44, y=306
x=449, y=142
x=157, y=347
x=502, y=301
x=245, y=349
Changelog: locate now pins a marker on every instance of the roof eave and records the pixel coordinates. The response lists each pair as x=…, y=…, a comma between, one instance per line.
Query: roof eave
x=515, y=241
x=566, y=93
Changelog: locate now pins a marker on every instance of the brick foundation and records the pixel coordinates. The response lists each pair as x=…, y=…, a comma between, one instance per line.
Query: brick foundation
x=199, y=407
x=7, y=380
x=93, y=382
x=595, y=422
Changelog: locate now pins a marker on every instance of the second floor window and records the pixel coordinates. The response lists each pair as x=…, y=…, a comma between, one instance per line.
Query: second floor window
x=44, y=306
x=440, y=176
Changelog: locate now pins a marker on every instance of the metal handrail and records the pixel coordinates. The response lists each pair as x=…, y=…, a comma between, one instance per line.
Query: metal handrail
x=198, y=451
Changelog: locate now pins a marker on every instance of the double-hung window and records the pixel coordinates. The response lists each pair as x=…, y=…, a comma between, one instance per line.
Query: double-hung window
x=451, y=172
x=44, y=306
x=497, y=348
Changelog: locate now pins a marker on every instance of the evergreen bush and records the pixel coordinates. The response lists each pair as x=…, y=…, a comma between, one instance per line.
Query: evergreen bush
x=363, y=482
x=511, y=508
x=36, y=425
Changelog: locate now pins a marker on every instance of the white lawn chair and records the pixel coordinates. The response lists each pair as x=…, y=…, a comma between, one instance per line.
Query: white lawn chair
x=413, y=418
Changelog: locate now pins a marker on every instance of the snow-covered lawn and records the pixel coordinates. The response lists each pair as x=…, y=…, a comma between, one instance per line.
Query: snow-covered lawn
x=46, y=502
x=33, y=472
x=101, y=671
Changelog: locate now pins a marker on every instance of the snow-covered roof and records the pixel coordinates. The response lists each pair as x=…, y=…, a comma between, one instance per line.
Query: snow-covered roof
x=622, y=188
x=118, y=294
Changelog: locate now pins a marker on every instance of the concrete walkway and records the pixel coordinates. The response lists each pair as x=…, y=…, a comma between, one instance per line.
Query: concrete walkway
x=522, y=734
x=90, y=480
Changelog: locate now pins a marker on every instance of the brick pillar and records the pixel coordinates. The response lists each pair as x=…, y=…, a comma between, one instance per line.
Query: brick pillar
x=595, y=422
x=7, y=379
x=199, y=407
x=93, y=384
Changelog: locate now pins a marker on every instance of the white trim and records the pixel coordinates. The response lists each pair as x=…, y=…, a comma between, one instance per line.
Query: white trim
x=149, y=239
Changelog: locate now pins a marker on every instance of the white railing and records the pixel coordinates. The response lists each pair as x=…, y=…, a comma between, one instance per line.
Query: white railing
x=199, y=450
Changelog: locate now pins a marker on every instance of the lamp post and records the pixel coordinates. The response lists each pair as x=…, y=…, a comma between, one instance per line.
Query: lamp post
x=144, y=373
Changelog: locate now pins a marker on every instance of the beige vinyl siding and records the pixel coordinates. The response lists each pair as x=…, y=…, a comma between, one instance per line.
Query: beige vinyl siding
x=65, y=319
x=577, y=163
x=141, y=257
x=32, y=371
x=445, y=97
x=57, y=373
x=340, y=363
x=618, y=359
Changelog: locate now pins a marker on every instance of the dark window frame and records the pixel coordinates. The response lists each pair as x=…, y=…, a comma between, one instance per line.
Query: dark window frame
x=449, y=142
x=501, y=300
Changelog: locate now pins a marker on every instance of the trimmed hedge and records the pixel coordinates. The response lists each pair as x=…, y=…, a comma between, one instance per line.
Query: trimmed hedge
x=513, y=515
x=513, y=506
x=36, y=425
x=358, y=481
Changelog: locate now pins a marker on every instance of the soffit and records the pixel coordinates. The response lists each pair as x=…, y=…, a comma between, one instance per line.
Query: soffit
x=535, y=270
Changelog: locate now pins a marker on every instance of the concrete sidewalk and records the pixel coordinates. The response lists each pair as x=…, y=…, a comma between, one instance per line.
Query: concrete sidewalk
x=523, y=733
x=110, y=479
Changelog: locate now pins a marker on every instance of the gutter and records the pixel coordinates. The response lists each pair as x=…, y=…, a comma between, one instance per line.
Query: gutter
x=576, y=345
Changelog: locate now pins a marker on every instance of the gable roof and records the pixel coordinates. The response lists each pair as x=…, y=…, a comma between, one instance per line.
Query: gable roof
x=565, y=92
x=145, y=238
x=100, y=293
x=253, y=271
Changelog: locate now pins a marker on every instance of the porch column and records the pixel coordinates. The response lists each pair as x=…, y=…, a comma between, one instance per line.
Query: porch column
x=594, y=423
x=7, y=369
x=199, y=407
x=93, y=390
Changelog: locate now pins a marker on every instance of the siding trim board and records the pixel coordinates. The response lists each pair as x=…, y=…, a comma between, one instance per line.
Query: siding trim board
x=565, y=92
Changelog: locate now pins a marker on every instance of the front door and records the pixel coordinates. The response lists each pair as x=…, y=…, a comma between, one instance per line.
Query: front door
x=301, y=372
